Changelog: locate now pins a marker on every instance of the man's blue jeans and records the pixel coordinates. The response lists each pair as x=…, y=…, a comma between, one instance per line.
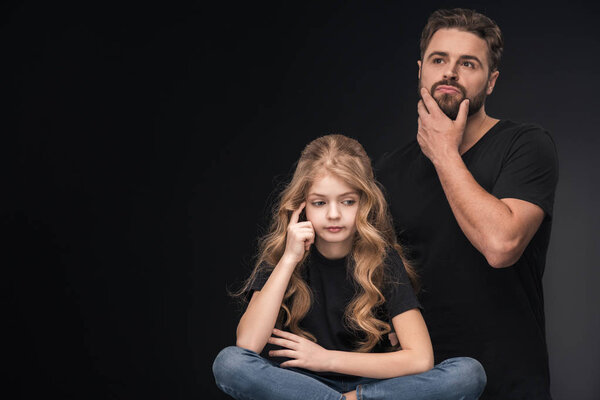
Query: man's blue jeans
x=245, y=375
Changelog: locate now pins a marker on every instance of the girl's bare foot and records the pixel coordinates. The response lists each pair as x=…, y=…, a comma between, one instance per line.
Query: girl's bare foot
x=350, y=395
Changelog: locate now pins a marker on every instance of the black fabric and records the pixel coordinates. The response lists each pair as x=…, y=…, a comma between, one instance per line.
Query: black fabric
x=493, y=315
x=333, y=288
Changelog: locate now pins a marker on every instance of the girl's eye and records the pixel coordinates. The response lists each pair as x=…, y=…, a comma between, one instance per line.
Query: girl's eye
x=318, y=203
x=348, y=202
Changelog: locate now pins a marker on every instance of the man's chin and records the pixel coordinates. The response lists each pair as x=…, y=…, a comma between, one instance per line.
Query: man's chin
x=450, y=109
x=449, y=104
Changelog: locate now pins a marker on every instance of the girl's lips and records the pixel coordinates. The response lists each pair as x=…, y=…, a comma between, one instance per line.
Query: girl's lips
x=334, y=228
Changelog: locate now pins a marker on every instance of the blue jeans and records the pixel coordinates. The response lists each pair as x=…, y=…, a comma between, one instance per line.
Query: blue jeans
x=245, y=375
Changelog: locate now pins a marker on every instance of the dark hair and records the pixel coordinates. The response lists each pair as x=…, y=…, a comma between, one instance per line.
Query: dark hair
x=468, y=21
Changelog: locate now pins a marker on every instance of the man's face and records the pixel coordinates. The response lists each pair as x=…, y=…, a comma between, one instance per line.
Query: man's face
x=455, y=66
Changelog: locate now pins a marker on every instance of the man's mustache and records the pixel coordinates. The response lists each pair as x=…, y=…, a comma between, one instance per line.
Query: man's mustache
x=448, y=82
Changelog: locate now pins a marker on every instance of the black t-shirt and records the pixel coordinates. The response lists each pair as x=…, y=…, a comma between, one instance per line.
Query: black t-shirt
x=471, y=309
x=332, y=289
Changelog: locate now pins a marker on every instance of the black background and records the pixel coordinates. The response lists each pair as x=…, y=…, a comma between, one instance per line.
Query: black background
x=142, y=143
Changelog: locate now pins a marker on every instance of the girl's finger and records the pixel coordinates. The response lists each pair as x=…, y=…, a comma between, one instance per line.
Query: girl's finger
x=299, y=231
x=283, y=343
x=287, y=335
x=304, y=224
x=290, y=364
x=305, y=235
x=282, y=353
x=296, y=214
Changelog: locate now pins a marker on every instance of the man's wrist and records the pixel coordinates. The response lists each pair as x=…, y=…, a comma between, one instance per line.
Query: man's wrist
x=447, y=158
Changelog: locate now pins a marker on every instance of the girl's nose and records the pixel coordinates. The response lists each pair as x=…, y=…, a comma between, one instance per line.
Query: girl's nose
x=333, y=212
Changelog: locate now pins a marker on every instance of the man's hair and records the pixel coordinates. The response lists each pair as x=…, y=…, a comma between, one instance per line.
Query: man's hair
x=468, y=21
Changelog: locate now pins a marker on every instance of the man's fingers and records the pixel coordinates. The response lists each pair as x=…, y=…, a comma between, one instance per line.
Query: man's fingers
x=463, y=112
x=421, y=109
x=429, y=102
x=296, y=213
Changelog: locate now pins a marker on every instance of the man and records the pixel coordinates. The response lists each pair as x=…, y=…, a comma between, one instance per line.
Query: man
x=472, y=201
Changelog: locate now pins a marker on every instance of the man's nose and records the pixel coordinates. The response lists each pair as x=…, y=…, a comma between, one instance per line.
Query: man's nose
x=450, y=72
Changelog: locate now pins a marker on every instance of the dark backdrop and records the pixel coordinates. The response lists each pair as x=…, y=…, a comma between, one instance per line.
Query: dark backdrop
x=141, y=144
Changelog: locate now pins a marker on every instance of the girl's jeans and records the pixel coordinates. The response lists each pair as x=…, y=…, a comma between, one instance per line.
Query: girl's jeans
x=245, y=375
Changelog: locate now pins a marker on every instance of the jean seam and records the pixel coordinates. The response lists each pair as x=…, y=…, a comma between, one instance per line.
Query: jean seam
x=359, y=392
x=234, y=393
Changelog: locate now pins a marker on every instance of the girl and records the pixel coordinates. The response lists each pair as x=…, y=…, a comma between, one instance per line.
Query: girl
x=328, y=282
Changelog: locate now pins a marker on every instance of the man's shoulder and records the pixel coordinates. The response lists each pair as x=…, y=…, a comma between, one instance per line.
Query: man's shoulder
x=515, y=129
x=522, y=137
x=400, y=154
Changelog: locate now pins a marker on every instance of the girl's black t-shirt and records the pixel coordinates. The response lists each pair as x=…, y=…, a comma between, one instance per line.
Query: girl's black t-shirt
x=332, y=289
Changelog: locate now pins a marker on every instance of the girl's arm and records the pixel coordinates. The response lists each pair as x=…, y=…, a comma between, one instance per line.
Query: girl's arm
x=415, y=357
x=256, y=325
x=260, y=316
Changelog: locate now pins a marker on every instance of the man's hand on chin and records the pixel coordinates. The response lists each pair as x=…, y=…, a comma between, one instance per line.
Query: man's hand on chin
x=438, y=135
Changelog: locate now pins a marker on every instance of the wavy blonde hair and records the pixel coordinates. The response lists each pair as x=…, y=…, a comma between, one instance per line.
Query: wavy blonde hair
x=345, y=158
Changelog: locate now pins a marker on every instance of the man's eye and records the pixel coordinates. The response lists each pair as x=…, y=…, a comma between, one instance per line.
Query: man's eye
x=438, y=60
x=468, y=64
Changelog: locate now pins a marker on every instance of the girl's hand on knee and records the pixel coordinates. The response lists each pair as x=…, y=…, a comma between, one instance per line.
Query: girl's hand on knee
x=304, y=353
x=300, y=235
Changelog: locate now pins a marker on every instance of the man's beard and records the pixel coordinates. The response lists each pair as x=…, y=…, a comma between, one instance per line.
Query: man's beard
x=450, y=103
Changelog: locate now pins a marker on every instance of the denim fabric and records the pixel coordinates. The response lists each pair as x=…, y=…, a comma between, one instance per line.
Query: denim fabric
x=459, y=378
x=245, y=375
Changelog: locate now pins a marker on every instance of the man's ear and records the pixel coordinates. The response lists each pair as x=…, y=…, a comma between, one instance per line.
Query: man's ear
x=492, y=82
x=419, y=63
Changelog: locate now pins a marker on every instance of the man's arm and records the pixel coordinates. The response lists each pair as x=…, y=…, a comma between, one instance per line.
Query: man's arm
x=499, y=228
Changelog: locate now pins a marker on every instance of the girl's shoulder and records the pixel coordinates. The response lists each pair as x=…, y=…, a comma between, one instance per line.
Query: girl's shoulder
x=392, y=259
x=393, y=267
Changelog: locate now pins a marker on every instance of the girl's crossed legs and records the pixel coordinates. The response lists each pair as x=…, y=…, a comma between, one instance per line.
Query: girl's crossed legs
x=246, y=375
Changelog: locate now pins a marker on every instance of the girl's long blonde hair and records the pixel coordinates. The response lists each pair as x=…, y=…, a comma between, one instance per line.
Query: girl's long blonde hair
x=345, y=158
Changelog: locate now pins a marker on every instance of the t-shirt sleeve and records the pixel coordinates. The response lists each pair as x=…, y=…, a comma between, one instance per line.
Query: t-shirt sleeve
x=399, y=293
x=530, y=170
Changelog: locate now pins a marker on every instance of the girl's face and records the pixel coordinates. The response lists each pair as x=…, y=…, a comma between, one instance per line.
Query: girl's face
x=331, y=207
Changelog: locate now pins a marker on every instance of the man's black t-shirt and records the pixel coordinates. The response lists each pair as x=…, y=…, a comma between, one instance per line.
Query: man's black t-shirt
x=332, y=289
x=471, y=309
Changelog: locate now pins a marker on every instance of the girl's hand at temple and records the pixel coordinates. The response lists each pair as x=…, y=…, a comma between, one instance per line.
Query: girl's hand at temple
x=300, y=235
x=304, y=353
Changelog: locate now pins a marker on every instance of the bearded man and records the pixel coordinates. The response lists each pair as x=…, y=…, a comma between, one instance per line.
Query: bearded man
x=472, y=200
